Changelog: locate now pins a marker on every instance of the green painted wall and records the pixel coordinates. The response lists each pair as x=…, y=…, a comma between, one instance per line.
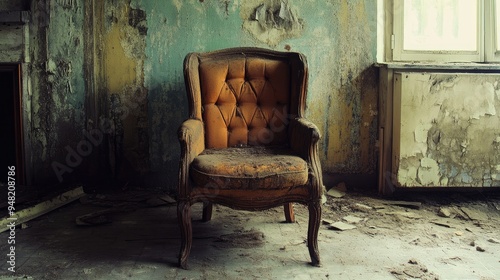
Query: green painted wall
x=120, y=63
x=338, y=38
x=57, y=90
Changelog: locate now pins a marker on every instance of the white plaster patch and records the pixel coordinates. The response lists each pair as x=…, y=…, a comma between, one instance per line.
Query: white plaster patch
x=444, y=181
x=177, y=4
x=421, y=133
x=260, y=21
x=428, y=162
x=406, y=177
x=481, y=101
x=428, y=172
x=51, y=66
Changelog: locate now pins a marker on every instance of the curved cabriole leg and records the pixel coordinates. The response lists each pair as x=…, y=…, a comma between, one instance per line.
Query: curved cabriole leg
x=184, y=218
x=313, y=230
x=289, y=214
x=207, y=211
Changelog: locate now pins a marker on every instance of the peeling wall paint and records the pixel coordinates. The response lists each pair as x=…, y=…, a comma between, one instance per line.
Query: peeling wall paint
x=124, y=54
x=139, y=88
x=338, y=38
x=343, y=84
x=449, y=130
x=57, y=113
x=174, y=29
x=271, y=21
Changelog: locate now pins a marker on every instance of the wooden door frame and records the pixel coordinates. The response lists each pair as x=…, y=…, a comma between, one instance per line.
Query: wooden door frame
x=15, y=69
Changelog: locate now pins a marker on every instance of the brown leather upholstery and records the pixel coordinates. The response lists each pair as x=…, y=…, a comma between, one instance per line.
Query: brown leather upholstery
x=246, y=144
x=245, y=101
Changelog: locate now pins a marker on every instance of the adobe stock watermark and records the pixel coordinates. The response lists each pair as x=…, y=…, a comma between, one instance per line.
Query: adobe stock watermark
x=12, y=218
x=277, y=124
x=93, y=138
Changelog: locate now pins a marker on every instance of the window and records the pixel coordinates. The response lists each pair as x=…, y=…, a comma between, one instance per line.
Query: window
x=446, y=30
x=492, y=31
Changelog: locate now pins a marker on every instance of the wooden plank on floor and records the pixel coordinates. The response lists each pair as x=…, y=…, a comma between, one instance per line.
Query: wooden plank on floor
x=25, y=215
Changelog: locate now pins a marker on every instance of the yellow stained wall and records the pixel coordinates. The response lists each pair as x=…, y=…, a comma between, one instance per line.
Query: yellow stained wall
x=120, y=71
x=123, y=79
x=145, y=60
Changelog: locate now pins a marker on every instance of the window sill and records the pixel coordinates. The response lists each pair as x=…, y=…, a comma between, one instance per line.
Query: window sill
x=441, y=67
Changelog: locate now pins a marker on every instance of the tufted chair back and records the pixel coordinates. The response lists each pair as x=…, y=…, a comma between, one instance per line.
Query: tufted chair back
x=245, y=96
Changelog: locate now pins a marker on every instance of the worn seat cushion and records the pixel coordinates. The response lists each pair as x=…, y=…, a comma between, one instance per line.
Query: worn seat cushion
x=249, y=168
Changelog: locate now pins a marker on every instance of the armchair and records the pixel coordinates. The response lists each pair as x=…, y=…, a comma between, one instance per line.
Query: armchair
x=246, y=144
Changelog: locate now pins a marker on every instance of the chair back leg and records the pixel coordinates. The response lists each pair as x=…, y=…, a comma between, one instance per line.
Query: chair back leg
x=289, y=214
x=207, y=211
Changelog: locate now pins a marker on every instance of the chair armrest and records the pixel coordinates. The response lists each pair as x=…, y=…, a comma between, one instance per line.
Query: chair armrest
x=192, y=141
x=304, y=137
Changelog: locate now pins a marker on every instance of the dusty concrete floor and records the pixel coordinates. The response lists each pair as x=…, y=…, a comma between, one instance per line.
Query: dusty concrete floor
x=139, y=240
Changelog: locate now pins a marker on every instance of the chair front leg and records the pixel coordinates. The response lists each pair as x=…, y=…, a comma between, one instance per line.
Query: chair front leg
x=184, y=219
x=313, y=230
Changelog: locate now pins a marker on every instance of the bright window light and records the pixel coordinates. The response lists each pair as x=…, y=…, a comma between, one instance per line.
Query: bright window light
x=438, y=25
x=497, y=30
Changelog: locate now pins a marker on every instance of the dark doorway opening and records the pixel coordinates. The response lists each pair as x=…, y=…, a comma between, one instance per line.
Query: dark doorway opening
x=11, y=138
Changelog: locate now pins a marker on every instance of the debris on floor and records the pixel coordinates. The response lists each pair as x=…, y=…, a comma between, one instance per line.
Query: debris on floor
x=494, y=240
x=408, y=204
x=439, y=223
x=352, y=219
x=474, y=214
x=414, y=270
x=338, y=191
x=47, y=205
x=341, y=226
x=373, y=240
x=444, y=212
x=362, y=208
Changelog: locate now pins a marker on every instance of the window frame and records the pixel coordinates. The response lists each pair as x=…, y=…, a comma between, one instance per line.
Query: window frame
x=487, y=51
x=492, y=50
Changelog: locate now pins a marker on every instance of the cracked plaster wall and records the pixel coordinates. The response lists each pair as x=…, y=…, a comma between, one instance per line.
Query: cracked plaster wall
x=131, y=77
x=55, y=114
x=123, y=43
x=338, y=38
x=450, y=132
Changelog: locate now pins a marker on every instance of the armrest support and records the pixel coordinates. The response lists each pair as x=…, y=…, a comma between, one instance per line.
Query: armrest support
x=304, y=138
x=192, y=141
